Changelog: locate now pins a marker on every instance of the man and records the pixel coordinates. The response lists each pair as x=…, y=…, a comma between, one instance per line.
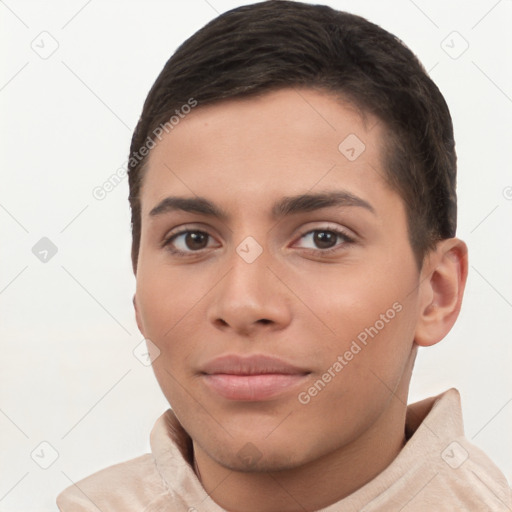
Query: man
x=292, y=185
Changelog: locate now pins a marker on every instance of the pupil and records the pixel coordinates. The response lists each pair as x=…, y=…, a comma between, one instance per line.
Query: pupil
x=195, y=238
x=324, y=239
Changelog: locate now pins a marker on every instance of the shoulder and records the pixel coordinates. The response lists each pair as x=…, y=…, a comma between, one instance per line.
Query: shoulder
x=461, y=473
x=459, y=476
x=439, y=468
x=129, y=485
x=471, y=477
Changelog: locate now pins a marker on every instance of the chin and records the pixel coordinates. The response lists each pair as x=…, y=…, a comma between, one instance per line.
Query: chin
x=252, y=458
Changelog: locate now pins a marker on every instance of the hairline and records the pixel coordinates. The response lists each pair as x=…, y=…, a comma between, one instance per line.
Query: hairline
x=387, y=141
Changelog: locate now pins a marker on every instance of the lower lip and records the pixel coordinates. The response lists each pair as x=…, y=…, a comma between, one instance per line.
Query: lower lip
x=252, y=387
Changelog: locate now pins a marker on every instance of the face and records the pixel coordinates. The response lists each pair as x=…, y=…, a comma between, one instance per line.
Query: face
x=283, y=322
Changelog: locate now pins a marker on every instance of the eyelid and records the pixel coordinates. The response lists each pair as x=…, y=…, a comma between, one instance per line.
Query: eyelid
x=328, y=226
x=349, y=237
x=185, y=228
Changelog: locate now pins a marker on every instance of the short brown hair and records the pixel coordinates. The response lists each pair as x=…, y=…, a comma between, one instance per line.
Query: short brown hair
x=275, y=44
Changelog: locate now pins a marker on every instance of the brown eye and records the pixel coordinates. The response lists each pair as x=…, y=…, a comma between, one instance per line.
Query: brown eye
x=325, y=239
x=187, y=242
x=195, y=240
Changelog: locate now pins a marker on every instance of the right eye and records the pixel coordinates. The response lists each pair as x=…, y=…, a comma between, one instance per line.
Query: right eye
x=187, y=242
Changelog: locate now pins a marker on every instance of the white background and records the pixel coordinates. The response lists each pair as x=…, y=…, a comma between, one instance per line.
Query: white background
x=68, y=374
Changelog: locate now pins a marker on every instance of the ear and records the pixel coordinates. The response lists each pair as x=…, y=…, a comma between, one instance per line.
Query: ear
x=137, y=315
x=443, y=279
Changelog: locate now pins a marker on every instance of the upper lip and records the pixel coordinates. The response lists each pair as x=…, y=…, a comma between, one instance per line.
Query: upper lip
x=250, y=365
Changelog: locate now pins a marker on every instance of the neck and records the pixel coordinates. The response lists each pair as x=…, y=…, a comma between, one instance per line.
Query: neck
x=314, y=485
x=320, y=482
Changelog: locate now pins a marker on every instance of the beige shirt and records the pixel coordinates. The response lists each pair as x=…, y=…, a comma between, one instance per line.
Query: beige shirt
x=437, y=470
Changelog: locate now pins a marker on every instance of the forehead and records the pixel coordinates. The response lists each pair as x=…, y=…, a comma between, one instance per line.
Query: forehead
x=281, y=143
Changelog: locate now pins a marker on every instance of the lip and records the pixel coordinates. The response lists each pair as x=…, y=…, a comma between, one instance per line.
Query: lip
x=251, y=378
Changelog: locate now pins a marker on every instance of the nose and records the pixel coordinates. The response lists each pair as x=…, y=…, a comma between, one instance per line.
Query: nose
x=250, y=298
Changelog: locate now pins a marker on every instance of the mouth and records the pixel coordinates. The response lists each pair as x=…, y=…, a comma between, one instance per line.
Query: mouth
x=253, y=378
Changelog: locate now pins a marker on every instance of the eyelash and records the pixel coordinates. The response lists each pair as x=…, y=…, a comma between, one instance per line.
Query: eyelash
x=339, y=233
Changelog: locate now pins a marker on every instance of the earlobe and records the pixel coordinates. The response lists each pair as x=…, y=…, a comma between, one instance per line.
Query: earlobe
x=442, y=289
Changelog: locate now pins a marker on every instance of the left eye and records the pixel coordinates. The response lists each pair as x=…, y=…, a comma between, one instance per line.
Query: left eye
x=325, y=239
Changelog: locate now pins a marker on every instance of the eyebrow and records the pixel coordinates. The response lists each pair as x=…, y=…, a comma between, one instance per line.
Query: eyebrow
x=286, y=206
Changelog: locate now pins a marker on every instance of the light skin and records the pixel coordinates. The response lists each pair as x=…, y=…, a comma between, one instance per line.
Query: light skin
x=294, y=301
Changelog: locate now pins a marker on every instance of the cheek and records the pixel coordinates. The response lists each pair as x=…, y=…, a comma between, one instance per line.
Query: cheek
x=361, y=369
x=169, y=319
x=371, y=328
x=349, y=302
x=168, y=305
x=168, y=302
